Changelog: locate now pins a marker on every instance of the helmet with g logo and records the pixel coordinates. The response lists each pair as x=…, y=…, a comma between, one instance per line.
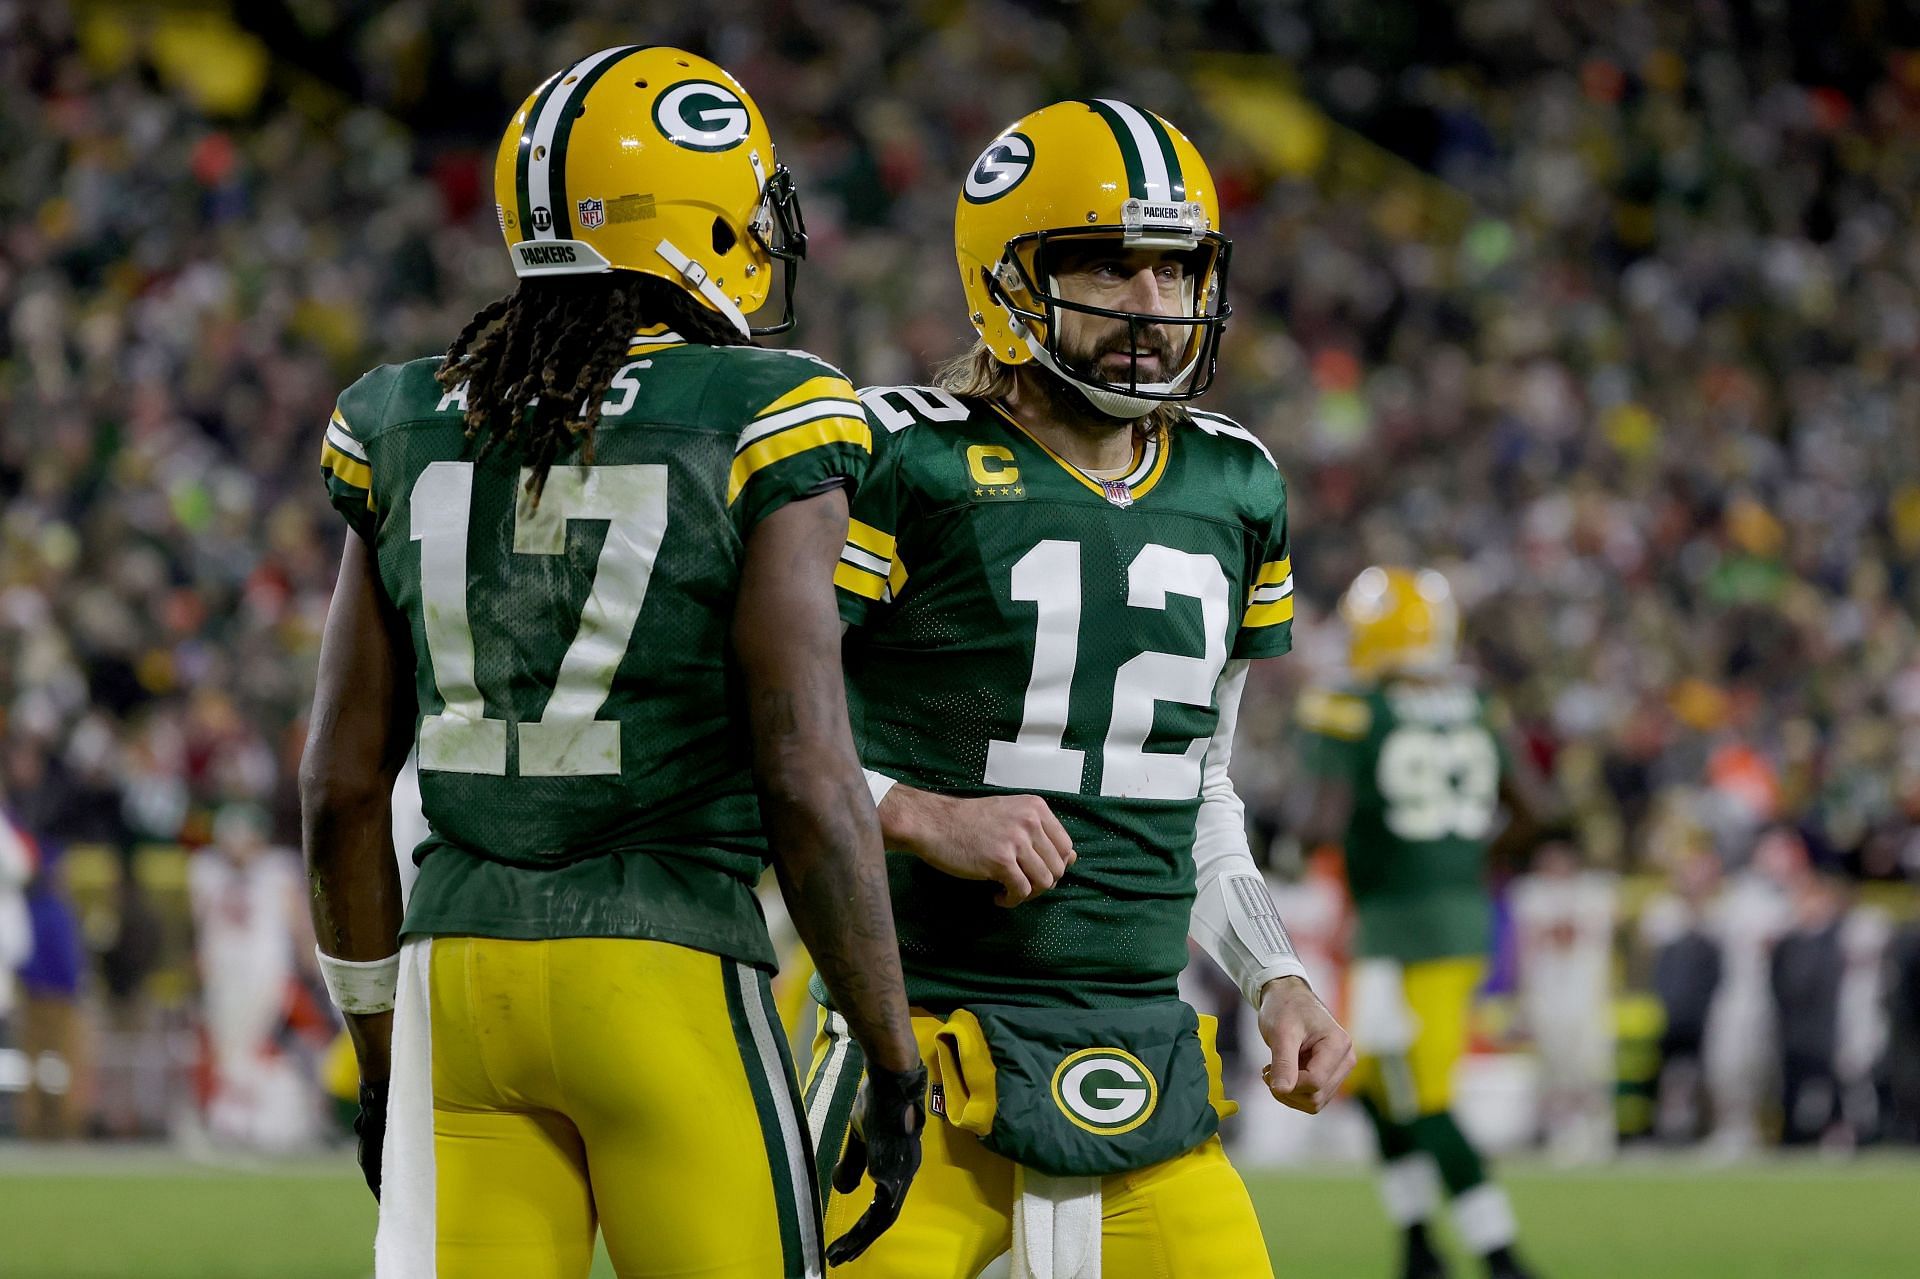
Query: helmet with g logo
x=650, y=159
x=1075, y=171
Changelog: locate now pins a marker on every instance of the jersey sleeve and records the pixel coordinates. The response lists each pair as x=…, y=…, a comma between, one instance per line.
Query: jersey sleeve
x=1333, y=730
x=797, y=443
x=870, y=572
x=1266, y=628
x=346, y=466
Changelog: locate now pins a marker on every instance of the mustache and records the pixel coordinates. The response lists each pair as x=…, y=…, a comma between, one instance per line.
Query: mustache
x=1151, y=342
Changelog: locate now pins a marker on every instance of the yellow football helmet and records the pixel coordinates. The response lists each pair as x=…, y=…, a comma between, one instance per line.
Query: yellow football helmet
x=1400, y=620
x=650, y=159
x=1086, y=170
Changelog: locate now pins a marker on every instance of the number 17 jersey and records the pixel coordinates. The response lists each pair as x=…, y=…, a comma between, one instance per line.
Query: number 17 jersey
x=1021, y=626
x=584, y=766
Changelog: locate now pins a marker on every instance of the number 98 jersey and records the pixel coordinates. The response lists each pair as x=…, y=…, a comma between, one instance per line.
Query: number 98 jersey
x=584, y=765
x=1423, y=763
x=1021, y=626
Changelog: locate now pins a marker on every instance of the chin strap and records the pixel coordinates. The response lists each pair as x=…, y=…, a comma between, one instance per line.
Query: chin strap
x=700, y=282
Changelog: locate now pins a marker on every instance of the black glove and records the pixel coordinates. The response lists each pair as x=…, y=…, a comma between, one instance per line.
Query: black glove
x=885, y=1145
x=370, y=1127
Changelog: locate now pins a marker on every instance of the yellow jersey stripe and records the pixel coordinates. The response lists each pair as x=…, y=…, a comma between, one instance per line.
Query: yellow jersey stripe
x=797, y=439
x=1274, y=571
x=346, y=469
x=1141, y=489
x=816, y=388
x=870, y=539
x=896, y=577
x=857, y=581
x=1270, y=614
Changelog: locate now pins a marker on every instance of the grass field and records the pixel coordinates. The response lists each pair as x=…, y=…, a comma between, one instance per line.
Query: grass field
x=149, y=1215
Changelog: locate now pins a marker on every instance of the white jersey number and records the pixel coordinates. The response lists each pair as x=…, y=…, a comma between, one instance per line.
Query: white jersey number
x=1439, y=782
x=567, y=740
x=1048, y=576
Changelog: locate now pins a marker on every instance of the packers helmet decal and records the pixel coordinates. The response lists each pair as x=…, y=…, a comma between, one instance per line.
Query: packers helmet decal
x=1000, y=168
x=1088, y=170
x=650, y=159
x=702, y=116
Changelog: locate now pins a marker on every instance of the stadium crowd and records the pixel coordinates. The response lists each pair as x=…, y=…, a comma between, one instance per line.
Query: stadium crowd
x=1612, y=313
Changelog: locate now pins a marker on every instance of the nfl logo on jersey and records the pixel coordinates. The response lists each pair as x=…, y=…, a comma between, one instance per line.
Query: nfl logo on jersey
x=592, y=213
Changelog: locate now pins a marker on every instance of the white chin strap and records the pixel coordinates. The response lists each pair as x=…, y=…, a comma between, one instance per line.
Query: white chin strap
x=1113, y=403
x=700, y=282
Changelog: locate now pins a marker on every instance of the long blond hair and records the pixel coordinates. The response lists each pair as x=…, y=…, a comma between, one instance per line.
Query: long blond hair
x=976, y=373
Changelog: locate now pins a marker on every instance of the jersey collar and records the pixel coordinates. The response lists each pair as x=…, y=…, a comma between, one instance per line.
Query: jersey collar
x=1149, y=463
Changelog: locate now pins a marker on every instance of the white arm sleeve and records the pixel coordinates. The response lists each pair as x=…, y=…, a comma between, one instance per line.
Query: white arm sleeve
x=1234, y=918
x=878, y=784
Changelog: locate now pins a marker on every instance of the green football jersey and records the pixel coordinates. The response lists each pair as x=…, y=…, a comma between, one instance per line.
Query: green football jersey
x=1424, y=764
x=584, y=763
x=1018, y=626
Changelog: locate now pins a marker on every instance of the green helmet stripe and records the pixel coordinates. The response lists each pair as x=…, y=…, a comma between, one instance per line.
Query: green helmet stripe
x=1176, y=180
x=525, y=156
x=576, y=102
x=1129, y=148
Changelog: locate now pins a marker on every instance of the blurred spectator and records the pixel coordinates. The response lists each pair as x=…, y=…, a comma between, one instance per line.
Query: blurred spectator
x=1748, y=916
x=1564, y=916
x=249, y=913
x=1807, y=967
x=1677, y=928
x=51, y=1033
x=1903, y=1020
x=16, y=927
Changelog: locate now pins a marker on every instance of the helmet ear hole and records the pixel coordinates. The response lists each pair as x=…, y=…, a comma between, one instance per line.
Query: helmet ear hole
x=723, y=237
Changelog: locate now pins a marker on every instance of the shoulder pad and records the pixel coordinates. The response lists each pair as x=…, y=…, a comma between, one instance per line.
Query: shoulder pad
x=1335, y=714
x=1222, y=425
x=898, y=407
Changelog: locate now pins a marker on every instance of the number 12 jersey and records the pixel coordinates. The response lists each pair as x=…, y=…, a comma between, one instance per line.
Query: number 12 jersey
x=1021, y=626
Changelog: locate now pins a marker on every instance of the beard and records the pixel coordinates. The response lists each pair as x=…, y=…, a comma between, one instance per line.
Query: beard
x=1152, y=341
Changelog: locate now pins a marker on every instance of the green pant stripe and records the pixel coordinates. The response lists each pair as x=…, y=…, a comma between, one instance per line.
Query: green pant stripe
x=830, y=1105
x=776, y=1099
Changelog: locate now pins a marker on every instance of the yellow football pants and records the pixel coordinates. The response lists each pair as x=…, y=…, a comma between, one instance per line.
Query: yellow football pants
x=1188, y=1217
x=1417, y=1079
x=634, y=1085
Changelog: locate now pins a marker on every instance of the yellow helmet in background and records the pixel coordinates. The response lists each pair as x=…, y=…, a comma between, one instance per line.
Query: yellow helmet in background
x=649, y=159
x=1093, y=169
x=1400, y=620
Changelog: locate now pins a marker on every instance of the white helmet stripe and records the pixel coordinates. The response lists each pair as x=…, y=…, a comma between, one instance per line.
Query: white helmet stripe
x=559, y=106
x=1153, y=164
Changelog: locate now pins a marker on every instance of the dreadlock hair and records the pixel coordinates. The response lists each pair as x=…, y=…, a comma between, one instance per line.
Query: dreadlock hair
x=537, y=362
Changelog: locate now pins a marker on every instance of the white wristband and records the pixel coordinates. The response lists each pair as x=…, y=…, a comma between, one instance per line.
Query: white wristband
x=360, y=986
x=878, y=784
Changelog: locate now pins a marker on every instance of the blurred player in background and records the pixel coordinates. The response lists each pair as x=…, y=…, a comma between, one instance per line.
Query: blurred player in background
x=1410, y=774
x=1564, y=913
x=1055, y=580
x=594, y=545
x=250, y=927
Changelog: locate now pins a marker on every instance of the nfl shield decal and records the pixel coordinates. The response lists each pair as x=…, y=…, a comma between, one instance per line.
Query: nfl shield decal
x=591, y=213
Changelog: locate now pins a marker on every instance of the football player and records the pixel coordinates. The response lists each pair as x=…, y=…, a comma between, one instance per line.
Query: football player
x=1411, y=772
x=1056, y=576
x=591, y=577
